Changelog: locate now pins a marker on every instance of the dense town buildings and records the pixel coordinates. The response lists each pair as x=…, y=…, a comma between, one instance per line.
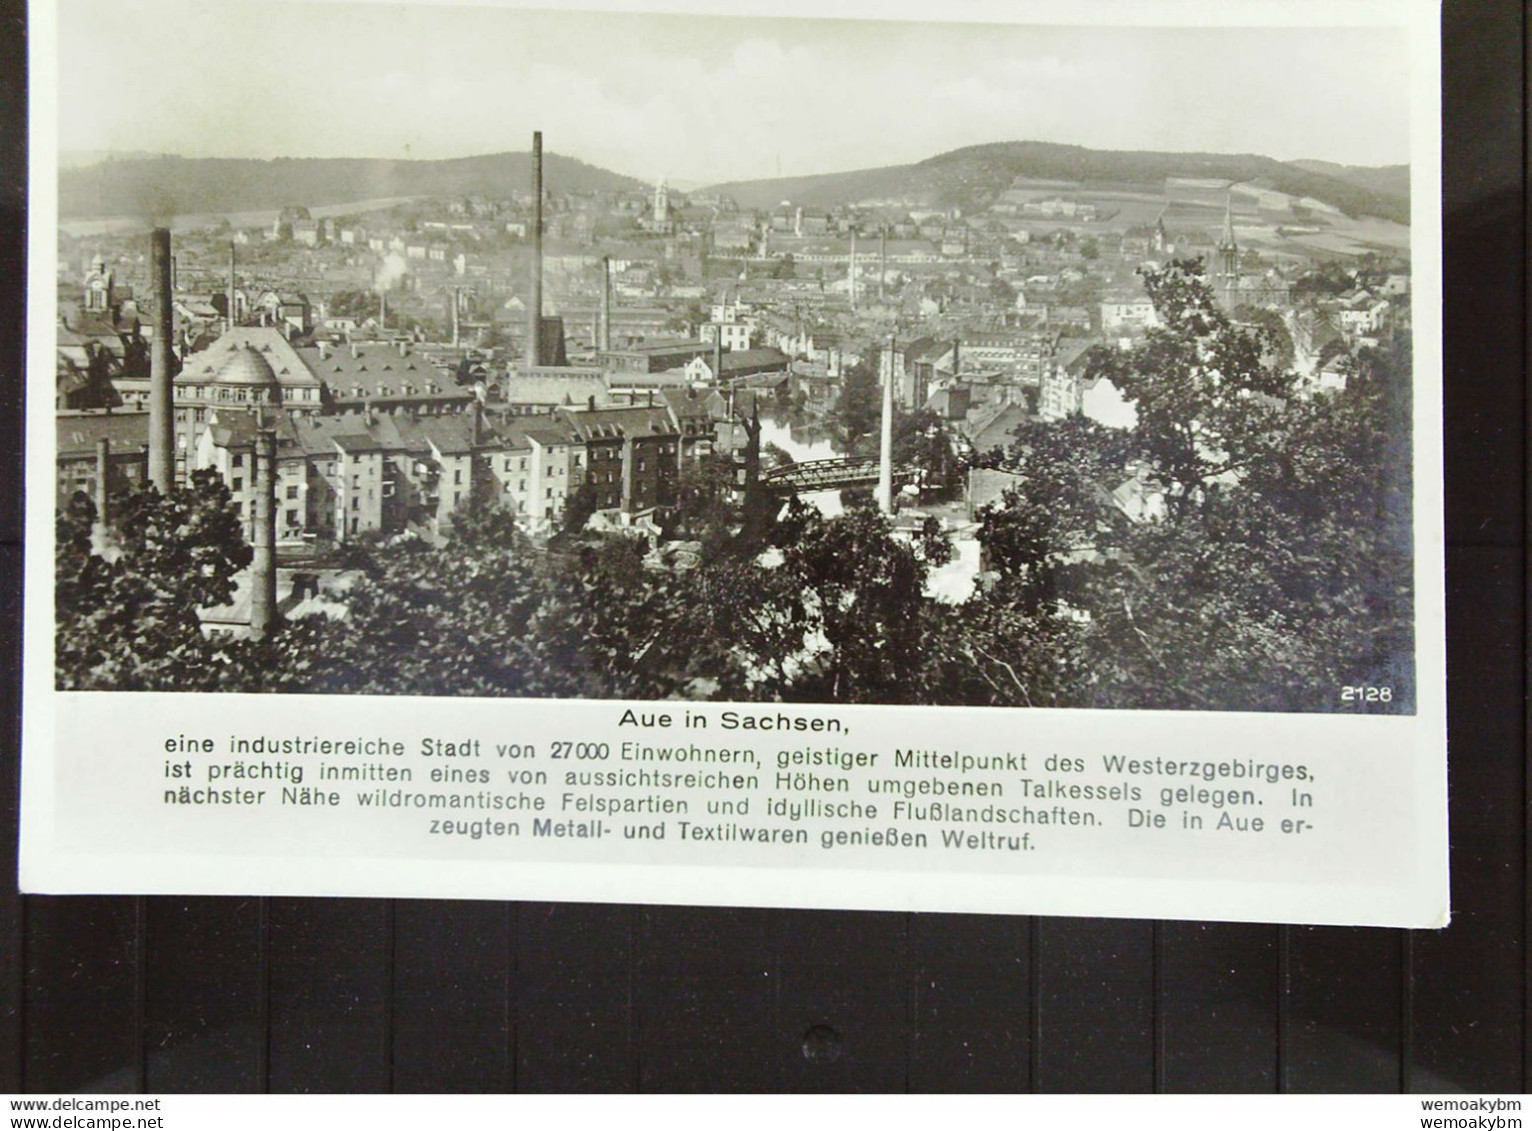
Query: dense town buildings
x=389, y=349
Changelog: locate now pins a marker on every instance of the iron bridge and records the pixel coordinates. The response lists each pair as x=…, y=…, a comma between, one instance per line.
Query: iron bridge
x=830, y=475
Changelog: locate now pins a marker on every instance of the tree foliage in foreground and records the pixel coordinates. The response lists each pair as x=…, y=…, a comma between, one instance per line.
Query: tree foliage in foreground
x=1241, y=547
x=126, y=604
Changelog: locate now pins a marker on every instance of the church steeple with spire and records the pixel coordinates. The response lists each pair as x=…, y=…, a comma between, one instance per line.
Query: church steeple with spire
x=1226, y=278
x=661, y=203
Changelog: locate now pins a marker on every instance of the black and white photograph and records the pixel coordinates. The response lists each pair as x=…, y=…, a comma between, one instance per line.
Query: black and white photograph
x=983, y=460
x=462, y=351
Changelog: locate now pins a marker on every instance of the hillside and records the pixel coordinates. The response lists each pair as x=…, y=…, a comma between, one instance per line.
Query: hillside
x=973, y=177
x=162, y=186
x=1391, y=180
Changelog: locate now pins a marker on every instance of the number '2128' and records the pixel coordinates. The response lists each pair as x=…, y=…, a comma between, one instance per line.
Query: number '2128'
x=1364, y=694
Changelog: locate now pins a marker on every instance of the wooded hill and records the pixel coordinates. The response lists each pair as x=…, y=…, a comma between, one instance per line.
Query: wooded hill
x=158, y=187
x=973, y=177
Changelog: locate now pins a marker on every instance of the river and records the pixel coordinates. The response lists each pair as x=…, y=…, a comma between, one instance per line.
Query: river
x=951, y=583
x=812, y=442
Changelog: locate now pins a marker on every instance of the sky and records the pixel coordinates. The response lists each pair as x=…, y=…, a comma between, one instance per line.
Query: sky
x=700, y=99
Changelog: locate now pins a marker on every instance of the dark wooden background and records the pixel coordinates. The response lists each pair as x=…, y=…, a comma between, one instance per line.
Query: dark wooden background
x=171, y=994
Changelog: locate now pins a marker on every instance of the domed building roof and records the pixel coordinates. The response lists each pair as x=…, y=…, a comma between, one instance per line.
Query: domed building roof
x=246, y=366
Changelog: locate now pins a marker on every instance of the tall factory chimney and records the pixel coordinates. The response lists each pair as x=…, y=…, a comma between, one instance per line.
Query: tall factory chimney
x=604, y=326
x=263, y=567
x=162, y=451
x=229, y=320
x=382, y=310
x=103, y=471
x=852, y=272
x=882, y=262
x=534, y=350
x=453, y=291
x=886, y=438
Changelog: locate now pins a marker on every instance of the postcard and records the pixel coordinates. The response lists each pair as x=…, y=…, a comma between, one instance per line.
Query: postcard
x=978, y=459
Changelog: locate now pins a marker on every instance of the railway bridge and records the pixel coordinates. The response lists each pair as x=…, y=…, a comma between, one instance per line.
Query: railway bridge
x=830, y=475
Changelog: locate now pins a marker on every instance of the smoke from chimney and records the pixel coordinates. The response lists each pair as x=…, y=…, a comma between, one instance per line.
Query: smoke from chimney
x=391, y=271
x=534, y=350
x=162, y=455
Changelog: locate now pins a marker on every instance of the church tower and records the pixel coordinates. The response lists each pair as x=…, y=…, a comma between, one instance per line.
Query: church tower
x=661, y=203
x=99, y=298
x=1226, y=278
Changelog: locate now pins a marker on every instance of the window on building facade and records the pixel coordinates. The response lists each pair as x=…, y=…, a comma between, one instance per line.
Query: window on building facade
x=292, y=518
x=238, y=484
x=292, y=491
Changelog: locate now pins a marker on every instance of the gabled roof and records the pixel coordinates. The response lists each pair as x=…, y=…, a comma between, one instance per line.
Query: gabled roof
x=619, y=423
x=124, y=431
x=203, y=367
x=449, y=435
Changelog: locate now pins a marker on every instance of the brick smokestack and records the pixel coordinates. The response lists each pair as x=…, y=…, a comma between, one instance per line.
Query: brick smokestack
x=162, y=452
x=882, y=262
x=886, y=438
x=455, y=327
x=534, y=350
x=851, y=274
x=103, y=472
x=229, y=320
x=263, y=568
x=604, y=326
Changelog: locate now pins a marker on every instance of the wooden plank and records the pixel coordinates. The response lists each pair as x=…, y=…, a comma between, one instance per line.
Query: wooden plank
x=1466, y=1022
x=1483, y=264
x=82, y=1003
x=12, y=906
x=1095, y=1006
x=1342, y=1013
x=13, y=263
x=843, y=1012
x=330, y=995
x=971, y=978
x=575, y=998
x=453, y=1022
x=204, y=1018
x=1218, y=1007
x=703, y=996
